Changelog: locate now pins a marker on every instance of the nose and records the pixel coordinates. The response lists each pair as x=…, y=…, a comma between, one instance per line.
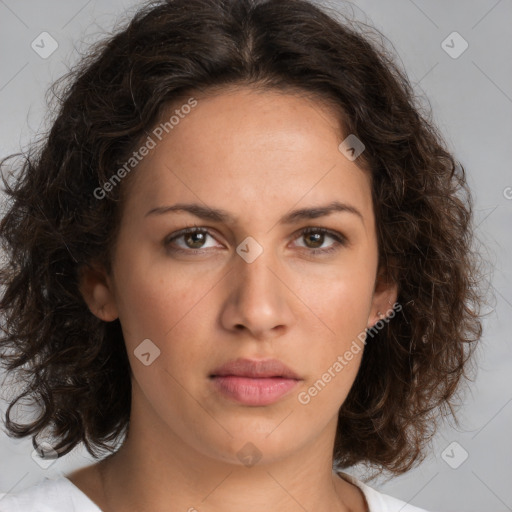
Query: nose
x=258, y=298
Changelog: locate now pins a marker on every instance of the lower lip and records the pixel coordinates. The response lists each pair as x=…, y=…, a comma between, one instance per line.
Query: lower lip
x=249, y=391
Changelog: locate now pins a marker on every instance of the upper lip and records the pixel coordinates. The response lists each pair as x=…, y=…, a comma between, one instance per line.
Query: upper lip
x=255, y=369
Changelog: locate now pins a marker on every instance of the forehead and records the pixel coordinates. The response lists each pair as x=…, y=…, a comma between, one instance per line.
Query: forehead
x=252, y=150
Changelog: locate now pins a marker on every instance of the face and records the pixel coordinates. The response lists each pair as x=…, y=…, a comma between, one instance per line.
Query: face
x=283, y=266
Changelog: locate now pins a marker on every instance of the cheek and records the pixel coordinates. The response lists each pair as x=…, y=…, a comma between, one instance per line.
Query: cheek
x=165, y=311
x=341, y=305
x=335, y=352
x=347, y=300
x=341, y=297
x=153, y=298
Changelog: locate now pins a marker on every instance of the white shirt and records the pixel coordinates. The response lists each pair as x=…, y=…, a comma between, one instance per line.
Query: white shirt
x=61, y=495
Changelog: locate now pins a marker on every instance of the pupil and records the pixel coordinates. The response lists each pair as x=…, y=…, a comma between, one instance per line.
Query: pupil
x=318, y=237
x=200, y=235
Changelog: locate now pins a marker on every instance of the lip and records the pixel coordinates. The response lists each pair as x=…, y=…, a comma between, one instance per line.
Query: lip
x=254, y=368
x=254, y=382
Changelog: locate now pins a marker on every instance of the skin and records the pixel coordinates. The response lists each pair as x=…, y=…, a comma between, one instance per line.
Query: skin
x=257, y=155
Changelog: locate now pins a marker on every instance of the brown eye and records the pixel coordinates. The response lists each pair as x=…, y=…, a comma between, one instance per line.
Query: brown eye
x=316, y=237
x=194, y=239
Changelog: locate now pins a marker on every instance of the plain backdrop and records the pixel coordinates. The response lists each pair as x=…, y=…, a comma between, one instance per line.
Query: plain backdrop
x=470, y=93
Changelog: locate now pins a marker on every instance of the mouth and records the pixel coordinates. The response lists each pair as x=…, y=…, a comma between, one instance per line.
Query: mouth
x=255, y=369
x=252, y=382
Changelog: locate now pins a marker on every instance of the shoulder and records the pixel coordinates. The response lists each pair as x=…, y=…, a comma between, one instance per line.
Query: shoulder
x=380, y=502
x=49, y=495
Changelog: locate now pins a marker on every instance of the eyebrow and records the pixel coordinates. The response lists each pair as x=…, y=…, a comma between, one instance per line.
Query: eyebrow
x=218, y=215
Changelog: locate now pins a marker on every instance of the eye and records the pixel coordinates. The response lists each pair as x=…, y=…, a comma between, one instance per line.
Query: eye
x=316, y=237
x=194, y=238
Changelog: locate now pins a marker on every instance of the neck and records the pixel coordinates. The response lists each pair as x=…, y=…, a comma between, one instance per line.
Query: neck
x=156, y=469
x=132, y=482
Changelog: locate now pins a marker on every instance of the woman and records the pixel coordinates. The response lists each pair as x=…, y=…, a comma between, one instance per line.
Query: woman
x=243, y=253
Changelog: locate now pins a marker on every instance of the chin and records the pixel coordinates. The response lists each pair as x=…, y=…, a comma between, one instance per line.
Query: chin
x=250, y=446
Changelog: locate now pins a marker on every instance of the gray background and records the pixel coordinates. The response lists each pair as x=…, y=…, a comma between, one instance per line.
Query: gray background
x=471, y=99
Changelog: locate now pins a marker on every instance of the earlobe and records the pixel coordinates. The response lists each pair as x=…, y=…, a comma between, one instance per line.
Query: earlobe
x=96, y=289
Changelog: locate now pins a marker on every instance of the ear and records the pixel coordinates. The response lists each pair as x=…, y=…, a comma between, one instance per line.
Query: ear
x=384, y=296
x=97, y=290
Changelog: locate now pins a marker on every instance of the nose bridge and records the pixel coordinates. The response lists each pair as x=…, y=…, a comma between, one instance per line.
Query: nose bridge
x=255, y=280
x=258, y=299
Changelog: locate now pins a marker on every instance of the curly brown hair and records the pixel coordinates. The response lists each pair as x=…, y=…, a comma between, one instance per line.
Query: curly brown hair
x=75, y=367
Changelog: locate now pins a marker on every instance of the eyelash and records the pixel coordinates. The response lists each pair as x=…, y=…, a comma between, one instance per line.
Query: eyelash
x=338, y=237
